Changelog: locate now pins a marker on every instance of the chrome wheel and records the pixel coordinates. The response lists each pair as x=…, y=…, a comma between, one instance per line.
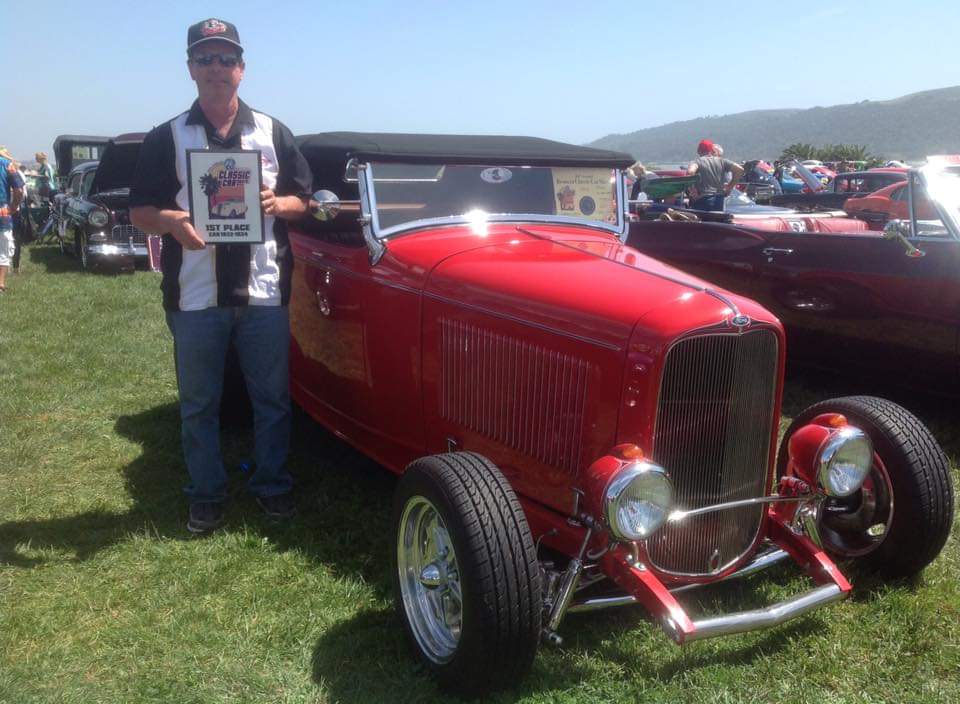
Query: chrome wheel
x=429, y=580
x=858, y=524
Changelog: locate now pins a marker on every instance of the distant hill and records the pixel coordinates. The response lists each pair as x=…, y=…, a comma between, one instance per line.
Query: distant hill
x=904, y=128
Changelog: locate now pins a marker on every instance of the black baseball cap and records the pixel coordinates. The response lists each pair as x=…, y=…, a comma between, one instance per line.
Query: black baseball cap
x=212, y=29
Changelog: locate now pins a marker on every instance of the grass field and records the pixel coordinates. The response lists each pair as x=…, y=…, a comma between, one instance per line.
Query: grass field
x=104, y=597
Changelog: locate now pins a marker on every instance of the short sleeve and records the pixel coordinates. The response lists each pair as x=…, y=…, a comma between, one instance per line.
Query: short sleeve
x=13, y=176
x=294, y=178
x=155, y=179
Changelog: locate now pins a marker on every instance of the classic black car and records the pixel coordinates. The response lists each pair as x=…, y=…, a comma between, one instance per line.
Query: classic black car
x=843, y=186
x=94, y=221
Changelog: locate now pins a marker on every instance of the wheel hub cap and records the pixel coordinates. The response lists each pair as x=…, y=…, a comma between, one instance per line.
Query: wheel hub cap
x=429, y=580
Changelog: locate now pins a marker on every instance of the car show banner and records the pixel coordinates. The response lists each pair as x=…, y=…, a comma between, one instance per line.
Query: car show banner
x=225, y=195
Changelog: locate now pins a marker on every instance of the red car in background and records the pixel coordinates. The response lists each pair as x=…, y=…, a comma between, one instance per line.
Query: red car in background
x=889, y=203
x=889, y=301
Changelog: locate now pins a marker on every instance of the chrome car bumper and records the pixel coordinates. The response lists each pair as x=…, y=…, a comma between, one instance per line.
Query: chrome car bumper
x=757, y=619
x=117, y=250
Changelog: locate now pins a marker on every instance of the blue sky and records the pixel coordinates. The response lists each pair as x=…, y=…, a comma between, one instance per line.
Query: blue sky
x=563, y=70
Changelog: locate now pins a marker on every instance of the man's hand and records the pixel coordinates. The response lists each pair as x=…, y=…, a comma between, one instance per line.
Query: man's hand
x=286, y=207
x=184, y=233
x=268, y=201
x=177, y=222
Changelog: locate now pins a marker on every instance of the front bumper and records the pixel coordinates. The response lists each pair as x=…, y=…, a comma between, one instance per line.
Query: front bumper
x=639, y=582
x=98, y=249
x=640, y=585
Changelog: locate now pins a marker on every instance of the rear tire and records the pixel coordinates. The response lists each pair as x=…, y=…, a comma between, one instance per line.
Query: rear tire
x=900, y=520
x=466, y=577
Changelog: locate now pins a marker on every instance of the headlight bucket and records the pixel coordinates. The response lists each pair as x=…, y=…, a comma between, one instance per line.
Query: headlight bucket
x=844, y=461
x=638, y=500
x=98, y=217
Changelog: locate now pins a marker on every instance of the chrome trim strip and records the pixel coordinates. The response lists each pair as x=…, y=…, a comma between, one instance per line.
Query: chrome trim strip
x=760, y=563
x=768, y=617
x=677, y=516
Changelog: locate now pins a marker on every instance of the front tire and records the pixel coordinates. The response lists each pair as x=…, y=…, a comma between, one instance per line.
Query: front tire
x=900, y=519
x=466, y=577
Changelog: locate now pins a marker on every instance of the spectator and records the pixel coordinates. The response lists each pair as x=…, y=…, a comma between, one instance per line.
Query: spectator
x=711, y=171
x=46, y=180
x=11, y=194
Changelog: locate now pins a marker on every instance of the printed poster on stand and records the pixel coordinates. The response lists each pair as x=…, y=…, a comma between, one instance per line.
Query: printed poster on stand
x=225, y=195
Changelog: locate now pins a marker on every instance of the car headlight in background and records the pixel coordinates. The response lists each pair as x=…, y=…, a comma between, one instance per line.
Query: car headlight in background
x=98, y=217
x=844, y=461
x=638, y=500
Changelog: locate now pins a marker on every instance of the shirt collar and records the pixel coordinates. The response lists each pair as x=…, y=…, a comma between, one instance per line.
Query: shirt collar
x=197, y=116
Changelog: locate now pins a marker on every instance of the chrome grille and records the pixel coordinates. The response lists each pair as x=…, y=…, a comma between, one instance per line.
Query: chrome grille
x=124, y=233
x=714, y=422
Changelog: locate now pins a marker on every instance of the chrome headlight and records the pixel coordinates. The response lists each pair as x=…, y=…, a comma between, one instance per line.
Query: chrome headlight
x=844, y=461
x=638, y=500
x=98, y=217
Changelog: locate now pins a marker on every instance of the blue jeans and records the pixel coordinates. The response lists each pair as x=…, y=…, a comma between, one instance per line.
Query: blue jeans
x=201, y=338
x=711, y=202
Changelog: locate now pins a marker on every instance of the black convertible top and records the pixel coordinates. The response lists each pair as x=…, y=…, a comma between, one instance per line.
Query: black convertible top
x=118, y=162
x=338, y=147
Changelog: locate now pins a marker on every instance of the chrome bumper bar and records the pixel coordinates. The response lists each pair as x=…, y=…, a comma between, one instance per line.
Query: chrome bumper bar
x=761, y=562
x=117, y=250
x=762, y=618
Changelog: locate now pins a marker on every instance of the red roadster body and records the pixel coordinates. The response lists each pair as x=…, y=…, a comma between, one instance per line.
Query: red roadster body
x=577, y=425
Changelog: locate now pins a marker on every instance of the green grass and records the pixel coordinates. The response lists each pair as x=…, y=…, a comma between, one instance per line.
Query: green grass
x=105, y=598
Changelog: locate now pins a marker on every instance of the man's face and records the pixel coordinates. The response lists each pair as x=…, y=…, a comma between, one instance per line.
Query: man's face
x=216, y=80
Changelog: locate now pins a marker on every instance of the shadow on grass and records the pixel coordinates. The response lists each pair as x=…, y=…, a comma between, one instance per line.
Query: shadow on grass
x=344, y=498
x=357, y=659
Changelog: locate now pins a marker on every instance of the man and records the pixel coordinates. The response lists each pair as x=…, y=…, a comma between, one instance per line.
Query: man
x=711, y=172
x=217, y=294
x=11, y=193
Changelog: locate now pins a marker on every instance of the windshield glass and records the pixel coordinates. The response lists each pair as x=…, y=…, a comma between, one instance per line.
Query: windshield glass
x=942, y=185
x=408, y=193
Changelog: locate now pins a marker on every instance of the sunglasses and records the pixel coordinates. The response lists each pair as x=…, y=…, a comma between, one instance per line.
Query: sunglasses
x=227, y=60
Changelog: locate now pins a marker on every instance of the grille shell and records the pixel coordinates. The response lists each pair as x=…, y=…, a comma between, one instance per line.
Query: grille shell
x=123, y=233
x=714, y=425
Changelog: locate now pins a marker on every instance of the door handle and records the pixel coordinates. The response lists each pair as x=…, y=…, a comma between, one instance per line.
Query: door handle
x=770, y=251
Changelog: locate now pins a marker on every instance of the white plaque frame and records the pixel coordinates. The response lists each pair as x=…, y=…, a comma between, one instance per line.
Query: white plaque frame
x=224, y=190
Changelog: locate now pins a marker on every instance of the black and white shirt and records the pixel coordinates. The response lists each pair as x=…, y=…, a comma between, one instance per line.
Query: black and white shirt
x=223, y=274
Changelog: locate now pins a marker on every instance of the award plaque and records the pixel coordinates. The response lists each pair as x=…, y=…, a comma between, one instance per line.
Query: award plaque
x=225, y=195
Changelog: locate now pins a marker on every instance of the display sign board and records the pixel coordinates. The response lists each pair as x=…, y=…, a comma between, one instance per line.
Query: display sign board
x=584, y=193
x=225, y=195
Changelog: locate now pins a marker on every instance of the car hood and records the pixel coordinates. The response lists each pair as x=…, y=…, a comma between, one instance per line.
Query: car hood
x=117, y=198
x=588, y=287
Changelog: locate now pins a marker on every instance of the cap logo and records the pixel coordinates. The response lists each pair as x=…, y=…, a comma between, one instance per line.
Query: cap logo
x=211, y=27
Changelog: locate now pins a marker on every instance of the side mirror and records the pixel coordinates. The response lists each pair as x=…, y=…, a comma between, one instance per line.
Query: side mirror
x=324, y=205
x=894, y=230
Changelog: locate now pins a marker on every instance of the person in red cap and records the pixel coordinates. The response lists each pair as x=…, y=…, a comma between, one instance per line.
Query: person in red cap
x=711, y=172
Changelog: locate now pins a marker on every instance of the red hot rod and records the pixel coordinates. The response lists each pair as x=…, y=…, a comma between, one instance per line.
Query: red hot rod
x=576, y=425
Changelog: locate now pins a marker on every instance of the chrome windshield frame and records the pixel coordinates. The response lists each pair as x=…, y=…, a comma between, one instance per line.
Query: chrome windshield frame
x=368, y=199
x=949, y=217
